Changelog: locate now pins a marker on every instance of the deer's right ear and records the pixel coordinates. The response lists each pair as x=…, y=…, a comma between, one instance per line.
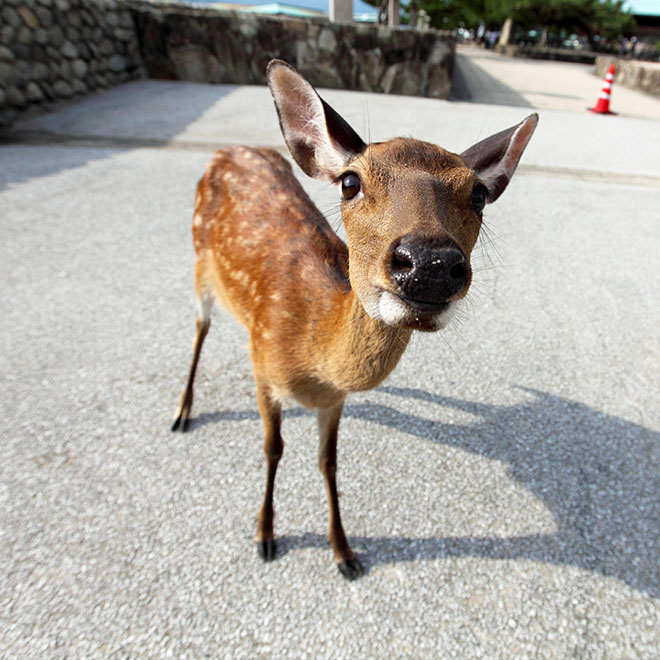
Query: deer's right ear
x=319, y=140
x=495, y=158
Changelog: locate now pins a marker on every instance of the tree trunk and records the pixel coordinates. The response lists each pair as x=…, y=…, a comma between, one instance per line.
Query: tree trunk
x=505, y=35
x=590, y=38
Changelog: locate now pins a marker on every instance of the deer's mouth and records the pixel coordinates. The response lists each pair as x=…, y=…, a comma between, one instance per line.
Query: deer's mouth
x=397, y=310
x=424, y=307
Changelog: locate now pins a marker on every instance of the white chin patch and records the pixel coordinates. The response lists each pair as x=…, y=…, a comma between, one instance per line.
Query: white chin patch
x=393, y=311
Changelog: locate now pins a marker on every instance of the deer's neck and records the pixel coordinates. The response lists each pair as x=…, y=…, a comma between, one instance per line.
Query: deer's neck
x=361, y=351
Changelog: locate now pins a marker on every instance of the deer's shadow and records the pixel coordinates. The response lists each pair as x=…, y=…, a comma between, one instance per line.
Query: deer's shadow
x=598, y=475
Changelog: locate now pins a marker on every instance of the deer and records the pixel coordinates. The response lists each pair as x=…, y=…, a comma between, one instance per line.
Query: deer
x=327, y=318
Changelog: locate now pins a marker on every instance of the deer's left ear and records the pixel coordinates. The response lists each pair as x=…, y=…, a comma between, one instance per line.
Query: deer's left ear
x=495, y=159
x=319, y=139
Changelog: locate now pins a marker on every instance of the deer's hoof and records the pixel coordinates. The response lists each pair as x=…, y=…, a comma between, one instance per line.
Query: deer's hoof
x=182, y=414
x=181, y=423
x=267, y=549
x=351, y=569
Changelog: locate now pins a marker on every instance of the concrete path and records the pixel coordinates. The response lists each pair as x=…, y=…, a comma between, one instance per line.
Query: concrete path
x=482, y=76
x=502, y=487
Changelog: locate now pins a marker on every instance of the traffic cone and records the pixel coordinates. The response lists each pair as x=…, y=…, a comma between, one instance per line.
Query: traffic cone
x=602, y=106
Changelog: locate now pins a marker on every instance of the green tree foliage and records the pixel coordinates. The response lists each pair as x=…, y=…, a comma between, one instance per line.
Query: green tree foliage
x=450, y=14
x=381, y=5
x=606, y=18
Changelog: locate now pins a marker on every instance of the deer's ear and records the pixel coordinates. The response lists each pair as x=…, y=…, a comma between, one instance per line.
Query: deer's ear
x=495, y=159
x=319, y=140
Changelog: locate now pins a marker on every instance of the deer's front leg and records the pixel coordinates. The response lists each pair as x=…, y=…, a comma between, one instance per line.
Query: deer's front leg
x=270, y=411
x=328, y=420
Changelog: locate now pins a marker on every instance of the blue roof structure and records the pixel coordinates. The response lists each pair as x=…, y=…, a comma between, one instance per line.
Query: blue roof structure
x=359, y=7
x=278, y=9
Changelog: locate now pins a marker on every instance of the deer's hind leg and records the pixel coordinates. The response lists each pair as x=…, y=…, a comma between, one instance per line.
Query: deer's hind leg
x=270, y=410
x=204, y=305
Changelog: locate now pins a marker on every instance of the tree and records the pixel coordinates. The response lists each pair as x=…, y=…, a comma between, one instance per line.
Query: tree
x=606, y=18
x=609, y=19
x=449, y=14
x=381, y=5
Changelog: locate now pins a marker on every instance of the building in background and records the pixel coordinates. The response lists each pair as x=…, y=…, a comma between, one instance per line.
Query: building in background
x=362, y=12
x=272, y=9
x=647, y=15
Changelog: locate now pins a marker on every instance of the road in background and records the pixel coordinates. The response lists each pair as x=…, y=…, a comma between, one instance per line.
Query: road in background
x=501, y=487
x=483, y=76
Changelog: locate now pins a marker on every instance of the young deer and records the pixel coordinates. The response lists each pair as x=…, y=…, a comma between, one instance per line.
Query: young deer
x=324, y=318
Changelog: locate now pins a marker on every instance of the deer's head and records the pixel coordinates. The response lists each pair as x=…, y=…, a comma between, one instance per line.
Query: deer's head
x=412, y=210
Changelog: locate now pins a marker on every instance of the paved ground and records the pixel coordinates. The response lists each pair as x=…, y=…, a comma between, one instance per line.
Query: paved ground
x=482, y=76
x=502, y=487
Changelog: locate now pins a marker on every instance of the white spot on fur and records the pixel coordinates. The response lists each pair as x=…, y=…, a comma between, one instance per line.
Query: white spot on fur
x=391, y=309
x=205, y=304
x=240, y=277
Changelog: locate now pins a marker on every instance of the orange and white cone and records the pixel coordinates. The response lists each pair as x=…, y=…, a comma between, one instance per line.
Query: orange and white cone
x=602, y=106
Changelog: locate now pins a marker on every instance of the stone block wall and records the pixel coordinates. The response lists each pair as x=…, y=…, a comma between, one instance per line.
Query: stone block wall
x=52, y=50
x=57, y=49
x=643, y=76
x=215, y=46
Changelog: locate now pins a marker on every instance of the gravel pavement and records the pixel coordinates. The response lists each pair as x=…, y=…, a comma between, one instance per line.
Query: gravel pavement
x=502, y=487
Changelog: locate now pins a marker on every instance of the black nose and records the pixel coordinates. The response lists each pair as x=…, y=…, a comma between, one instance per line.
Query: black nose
x=429, y=274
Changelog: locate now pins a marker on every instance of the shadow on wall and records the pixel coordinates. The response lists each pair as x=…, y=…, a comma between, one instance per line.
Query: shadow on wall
x=599, y=475
x=136, y=115
x=471, y=83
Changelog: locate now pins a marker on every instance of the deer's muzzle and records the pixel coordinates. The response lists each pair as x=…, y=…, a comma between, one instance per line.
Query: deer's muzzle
x=428, y=275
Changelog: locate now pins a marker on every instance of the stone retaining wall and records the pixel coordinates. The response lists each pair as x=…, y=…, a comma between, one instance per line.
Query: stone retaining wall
x=215, y=46
x=644, y=76
x=56, y=49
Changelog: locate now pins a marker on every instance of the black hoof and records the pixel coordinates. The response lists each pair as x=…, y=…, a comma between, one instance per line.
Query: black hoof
x=351, y=569
x=180, y=424
x=267, y=549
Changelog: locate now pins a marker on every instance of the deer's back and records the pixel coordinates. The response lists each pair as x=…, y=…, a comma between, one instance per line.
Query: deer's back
x=262, y=245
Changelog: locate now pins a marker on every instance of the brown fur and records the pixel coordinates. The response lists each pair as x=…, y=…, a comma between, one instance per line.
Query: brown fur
x=267, y=253
x=309, y=337
x=411, y=186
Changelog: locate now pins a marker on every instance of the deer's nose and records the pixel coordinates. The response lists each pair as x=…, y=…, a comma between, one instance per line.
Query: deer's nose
x=429, y=274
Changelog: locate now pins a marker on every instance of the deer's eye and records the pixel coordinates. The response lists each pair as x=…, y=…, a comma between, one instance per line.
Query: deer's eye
x=350, y=185
x=479, y=194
